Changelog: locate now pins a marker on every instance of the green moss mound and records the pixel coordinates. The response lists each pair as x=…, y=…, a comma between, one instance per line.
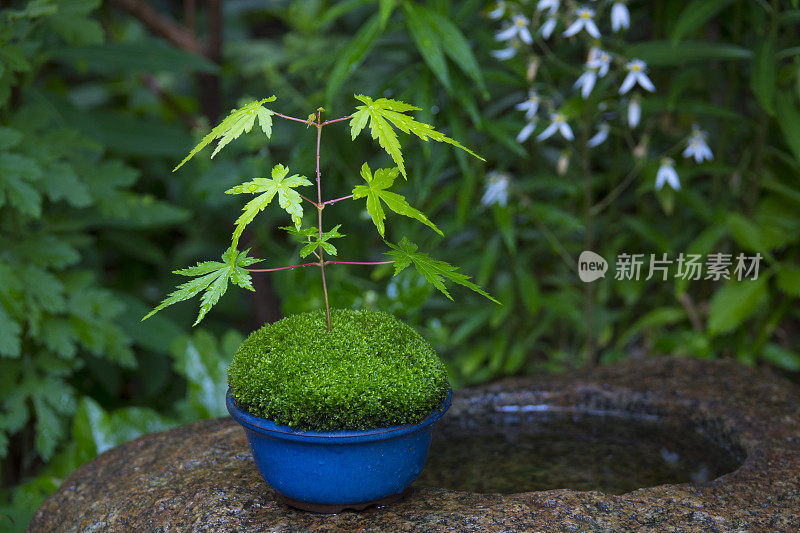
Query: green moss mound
x=370, y=371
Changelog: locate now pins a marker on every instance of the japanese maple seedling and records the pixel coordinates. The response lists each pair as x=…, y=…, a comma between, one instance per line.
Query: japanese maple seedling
x=383, y=116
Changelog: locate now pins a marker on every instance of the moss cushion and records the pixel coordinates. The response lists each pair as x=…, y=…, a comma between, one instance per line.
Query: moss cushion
x=370, y=371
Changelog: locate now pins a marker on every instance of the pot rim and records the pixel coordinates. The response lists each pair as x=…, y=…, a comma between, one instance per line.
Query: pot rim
x=269, y=428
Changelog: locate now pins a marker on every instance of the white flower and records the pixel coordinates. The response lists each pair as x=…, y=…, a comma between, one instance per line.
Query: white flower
x=634, y=112
x=584, y=21
x=562, y=165
x=599, y=137
x=525, y=132
x=508, y=52
x=547, y=28
x=666, y=173
x=530, y=106
x=548, y=5
x=600, y=60
x=586, y=83
x=620, y=17
x=496, y=189
x=558, y=123
x=697, y=146
x=498, y=11
x=518, y=29
x=637, y=73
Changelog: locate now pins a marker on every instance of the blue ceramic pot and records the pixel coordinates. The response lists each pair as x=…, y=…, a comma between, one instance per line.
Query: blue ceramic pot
x=334, y=470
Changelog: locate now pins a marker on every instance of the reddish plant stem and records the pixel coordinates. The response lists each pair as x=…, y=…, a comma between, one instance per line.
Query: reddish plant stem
x=348, y=117
x=337, y=199
x=358, y=262
x=311, y=122
x=287, y=117
x=281, y=268
x=320, y=206
x=308, y=199
x=316, y=263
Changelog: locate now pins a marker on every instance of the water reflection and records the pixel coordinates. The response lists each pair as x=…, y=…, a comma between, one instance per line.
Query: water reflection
x=527, y=449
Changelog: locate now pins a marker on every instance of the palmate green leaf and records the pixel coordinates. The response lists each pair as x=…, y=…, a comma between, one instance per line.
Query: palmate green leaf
x=214, y=277
x=385, y=114
x=436, y=272
x=318, y=241
x=280, y=184
x=237, y=122
x=376, y=194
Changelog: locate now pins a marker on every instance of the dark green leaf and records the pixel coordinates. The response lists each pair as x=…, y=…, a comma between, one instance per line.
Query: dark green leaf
x=454, y=44
x=146, y=56
x=734, y=303
x=427, y=41
x=664, y=53
x=353, y=54
x=10, y=331
x=788, y=118
x=781, y=357
x=436, y=272
x=762, y=75
x=695, y=14
x=788, y=280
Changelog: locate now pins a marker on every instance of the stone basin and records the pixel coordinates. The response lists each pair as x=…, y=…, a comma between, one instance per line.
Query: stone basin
x=657, y=444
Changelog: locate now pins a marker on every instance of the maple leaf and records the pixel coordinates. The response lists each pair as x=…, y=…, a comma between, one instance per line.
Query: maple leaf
x=213, y=278
x=237, y=122
x=385, y=114
x=377, y=195
x=313, y=240
x=436, y=272
x=280, y=184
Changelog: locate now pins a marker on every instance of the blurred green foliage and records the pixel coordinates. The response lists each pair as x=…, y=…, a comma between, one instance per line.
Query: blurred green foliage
x=95, y=111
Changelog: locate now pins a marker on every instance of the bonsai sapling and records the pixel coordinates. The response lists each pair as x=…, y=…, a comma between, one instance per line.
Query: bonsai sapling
x=383, y=116
x=303, y=371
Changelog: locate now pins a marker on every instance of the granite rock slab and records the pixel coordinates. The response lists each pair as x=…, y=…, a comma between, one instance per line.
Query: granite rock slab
x=201, y=477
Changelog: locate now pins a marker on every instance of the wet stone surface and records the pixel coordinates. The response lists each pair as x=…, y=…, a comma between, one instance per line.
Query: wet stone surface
x=651, y=445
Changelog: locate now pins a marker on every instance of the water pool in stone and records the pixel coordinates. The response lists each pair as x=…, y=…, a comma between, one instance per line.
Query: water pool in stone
x=538, y=451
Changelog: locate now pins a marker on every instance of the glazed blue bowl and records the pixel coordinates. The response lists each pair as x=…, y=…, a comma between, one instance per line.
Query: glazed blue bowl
x=328, y=471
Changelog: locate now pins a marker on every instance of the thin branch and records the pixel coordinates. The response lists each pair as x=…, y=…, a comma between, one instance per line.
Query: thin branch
x=321, y=256
x=189, y=12
x=691, y=311
x=619, y=189
x=337, y=199
x=309, y=200
x=174, y=32
x=348, y=117
x=358, y=262
x=153, y=86
x=281, y=268
x=287, y=117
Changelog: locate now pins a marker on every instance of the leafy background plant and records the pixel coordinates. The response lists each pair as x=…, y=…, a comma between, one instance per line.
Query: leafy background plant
x=97, y=106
